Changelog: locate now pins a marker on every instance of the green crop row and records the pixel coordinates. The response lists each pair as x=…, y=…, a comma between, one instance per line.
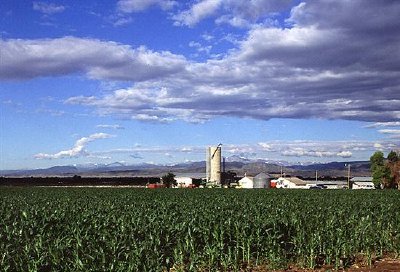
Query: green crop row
x=75, y=229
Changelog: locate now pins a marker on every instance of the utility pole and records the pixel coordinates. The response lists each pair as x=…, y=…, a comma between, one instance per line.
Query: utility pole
x=348, y=176
x=316, y=175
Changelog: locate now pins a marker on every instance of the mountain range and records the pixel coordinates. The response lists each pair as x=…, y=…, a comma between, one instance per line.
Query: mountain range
x=241, y=166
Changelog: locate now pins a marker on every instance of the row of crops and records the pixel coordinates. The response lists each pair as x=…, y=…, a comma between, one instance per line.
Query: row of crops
x=71, y=229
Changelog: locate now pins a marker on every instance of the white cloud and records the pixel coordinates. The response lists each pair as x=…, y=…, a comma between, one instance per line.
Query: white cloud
x=390, y=131
x=77, y=150
x=383, y=124
x=317, y=68
x=197, y=12
x=200, y=48
x=24, y=59
x=121, y=21
x=110, y=126
x=130, y=6
x=238, y=13
x=393, y=133
x=265, y=146
x=301, y=152
x=47, y=8
x=378, y=146
x=344, y=154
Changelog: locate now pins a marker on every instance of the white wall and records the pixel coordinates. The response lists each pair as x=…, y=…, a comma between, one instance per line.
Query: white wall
x=246, y=183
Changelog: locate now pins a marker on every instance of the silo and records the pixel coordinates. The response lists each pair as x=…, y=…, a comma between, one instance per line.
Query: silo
x=262, y=181
x=215, y=164
x=208, y=164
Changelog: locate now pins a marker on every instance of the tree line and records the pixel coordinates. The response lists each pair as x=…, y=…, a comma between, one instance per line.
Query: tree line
x=385, y=171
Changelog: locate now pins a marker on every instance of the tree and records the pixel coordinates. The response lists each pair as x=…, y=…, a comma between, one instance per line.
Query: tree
x=393, y=157
x=377, y=159
x=380, y=171
x=169, y=180
x=394, y=166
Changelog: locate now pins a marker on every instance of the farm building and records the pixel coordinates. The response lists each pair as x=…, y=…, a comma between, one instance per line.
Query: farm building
x=291, y=183
x=362, y=183
x=246, y=182
x=184, y=182
x=262, y=180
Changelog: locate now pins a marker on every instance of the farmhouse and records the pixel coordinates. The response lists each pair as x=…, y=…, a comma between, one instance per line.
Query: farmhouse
x=362, y=183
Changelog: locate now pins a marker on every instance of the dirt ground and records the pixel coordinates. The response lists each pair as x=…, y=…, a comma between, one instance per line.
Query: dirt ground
x=383, y=265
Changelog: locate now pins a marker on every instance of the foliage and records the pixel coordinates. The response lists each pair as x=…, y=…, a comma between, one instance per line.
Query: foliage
x=380, y=171
x=100, y=229
x=377, y=159
x=393, y=157
x=169, y=180
x=394, y=169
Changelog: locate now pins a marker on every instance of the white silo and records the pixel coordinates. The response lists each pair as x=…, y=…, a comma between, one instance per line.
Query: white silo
x=213, y=164
x=208, y=164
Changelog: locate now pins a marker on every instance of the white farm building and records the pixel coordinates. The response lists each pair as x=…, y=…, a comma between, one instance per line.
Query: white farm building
x=291, y=183
x=362, y=183
x=183, y=182
x=246, y=182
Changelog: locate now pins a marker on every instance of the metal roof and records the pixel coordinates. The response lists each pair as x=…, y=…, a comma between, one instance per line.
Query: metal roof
x=361, y=179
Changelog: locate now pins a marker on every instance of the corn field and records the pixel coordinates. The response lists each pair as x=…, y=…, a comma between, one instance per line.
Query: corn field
x=114, y=229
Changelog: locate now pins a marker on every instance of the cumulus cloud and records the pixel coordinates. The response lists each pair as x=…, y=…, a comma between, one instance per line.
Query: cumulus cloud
x=47, y=8
x=25, y=59
x=197, y=12
x=317, y=67
x=238, y=13
x=312, y=70
x=130, y=6
x=344, y=154
x=77, y=150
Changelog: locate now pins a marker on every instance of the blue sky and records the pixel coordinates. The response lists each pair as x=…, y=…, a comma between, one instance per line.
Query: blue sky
x=139, y=81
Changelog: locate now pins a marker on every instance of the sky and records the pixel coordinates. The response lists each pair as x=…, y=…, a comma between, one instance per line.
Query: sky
x=157, y=81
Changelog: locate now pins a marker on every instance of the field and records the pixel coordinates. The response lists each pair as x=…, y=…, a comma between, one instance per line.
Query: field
x=114, y=229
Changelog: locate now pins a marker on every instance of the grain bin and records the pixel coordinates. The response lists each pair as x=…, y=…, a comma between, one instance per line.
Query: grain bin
x=262, y=180
x=213, y=164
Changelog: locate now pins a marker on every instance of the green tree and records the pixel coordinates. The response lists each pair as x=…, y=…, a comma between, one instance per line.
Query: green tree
x=393, y=164
x=169, y=180
x=393, y=157
x=380, y=171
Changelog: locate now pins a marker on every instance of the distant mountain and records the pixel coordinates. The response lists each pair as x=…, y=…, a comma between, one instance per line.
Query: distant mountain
x=333, y=165
x=55, y=170
x=235, y=164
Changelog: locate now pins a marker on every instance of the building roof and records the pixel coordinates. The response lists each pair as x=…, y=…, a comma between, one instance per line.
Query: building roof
x=263, y=175
x=296, y=181
x=361, y=179
x=247, y=177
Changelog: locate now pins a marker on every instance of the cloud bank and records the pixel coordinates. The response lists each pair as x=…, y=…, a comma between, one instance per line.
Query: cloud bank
x=318, y=64
x=26, y=59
